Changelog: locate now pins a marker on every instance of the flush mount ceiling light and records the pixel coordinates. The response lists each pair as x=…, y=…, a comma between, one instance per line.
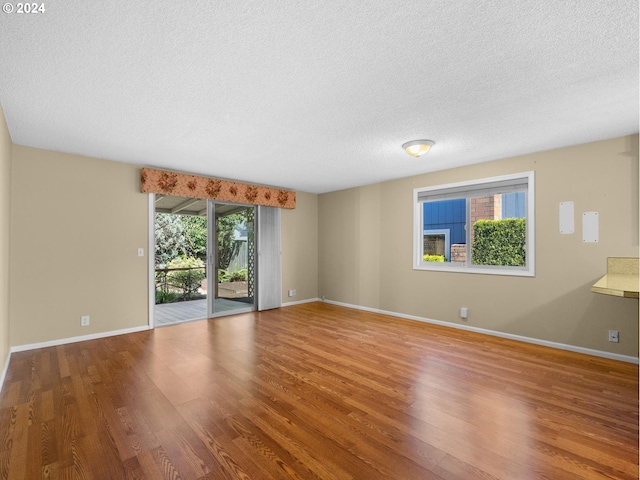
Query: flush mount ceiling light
x=416, y=148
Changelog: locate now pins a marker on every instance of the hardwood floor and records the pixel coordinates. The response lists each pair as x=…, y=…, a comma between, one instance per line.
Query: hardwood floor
x=316, y=391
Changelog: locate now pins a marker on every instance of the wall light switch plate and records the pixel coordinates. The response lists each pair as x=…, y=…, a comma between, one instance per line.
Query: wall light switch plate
x=141, y=252
x=590, y=228
x=567, y=225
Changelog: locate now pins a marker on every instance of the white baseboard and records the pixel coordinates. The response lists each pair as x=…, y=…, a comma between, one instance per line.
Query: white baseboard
x=5, y=370
x=64, y=341
x=520, y=338
x=300, y=302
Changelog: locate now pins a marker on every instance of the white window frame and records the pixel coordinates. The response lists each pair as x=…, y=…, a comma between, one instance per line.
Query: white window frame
x=467, y=189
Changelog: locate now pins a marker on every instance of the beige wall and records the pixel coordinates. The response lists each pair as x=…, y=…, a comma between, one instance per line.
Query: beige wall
x=77, y=223
x=349, y=245
x=5, y=224
x=300, y=249
x=365, y=251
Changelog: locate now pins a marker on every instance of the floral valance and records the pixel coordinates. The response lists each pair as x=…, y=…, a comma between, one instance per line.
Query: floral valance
x=185, y=185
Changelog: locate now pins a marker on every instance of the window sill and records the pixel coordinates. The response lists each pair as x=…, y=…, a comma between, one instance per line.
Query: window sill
x=486, y=270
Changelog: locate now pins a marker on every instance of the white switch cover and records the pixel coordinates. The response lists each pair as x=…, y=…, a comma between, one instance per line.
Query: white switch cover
x=567, y=225
x=590, y=228
x=141, y=252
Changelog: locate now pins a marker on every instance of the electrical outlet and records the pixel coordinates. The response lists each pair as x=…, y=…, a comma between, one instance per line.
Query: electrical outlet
x=292, y=293
x=84, y=320
x=614, y=336
x=464, y=312
x=323, y=298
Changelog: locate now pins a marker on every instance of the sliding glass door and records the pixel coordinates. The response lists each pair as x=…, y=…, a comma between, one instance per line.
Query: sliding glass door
x=231, y=259
x=207, y=259
x=180, y=248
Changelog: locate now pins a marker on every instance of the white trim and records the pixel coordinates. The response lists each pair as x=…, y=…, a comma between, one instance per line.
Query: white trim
x=83, y=338
x=300, y=302
x=531, y=224
x=151, y=263
x=5, y=370
x=510, y=336
x=474, y=183
x=483, y=270
x=212, y=271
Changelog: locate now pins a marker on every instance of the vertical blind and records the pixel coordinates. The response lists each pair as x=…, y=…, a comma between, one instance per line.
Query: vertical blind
x=269, y=261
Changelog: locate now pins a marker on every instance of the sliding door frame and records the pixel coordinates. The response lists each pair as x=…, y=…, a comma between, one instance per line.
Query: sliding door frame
x=212, y=271
x=269, y=260
x=151, y=260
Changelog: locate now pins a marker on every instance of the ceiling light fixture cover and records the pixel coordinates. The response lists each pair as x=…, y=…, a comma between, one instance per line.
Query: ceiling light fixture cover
x=416, y=148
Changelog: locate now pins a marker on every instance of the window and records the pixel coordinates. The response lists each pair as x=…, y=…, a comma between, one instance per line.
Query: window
x=483, y=226
x=437, y=243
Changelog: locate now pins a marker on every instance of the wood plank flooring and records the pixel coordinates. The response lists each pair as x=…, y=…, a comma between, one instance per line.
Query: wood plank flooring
x=316, y=391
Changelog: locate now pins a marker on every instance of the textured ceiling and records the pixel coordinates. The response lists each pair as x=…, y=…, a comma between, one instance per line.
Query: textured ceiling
x=318, y=96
